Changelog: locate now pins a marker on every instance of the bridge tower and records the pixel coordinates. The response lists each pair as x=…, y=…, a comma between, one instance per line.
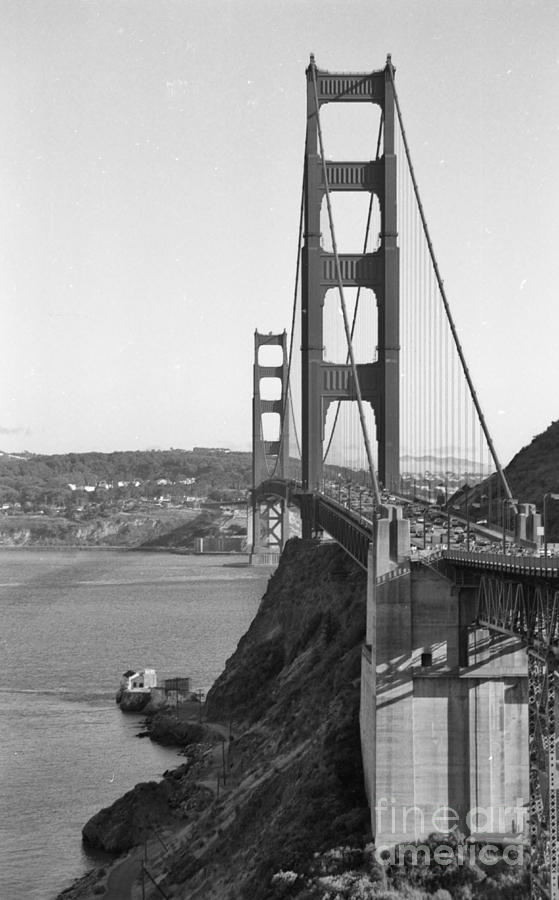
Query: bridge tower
x=324, y=382
x=270, y=458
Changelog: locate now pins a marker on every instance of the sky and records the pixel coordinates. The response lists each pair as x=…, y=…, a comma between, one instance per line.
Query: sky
x=151, y=169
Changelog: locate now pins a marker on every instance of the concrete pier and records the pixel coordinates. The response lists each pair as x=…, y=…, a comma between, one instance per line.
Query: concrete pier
x=444, y=722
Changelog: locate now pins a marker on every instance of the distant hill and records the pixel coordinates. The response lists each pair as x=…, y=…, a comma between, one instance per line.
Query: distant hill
x=535, y=469
x=440, y=462
x=35, y=479
x=532, y=472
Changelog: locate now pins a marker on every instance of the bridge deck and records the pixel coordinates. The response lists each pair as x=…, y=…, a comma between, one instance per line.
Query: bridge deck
x=538, y=566
x=353, y=530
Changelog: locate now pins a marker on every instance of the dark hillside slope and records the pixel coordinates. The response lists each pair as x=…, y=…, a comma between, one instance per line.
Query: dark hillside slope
x=532, y=472
x=291, y=691
x=535, y=469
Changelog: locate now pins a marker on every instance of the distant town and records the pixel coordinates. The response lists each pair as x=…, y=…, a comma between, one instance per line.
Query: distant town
x=178, y=499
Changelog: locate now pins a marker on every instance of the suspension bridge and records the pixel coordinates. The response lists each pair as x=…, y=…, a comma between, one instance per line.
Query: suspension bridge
x=373, y=430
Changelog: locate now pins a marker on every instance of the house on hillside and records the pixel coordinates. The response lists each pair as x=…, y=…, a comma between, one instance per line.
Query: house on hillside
x=138, y=680
x=137, y=688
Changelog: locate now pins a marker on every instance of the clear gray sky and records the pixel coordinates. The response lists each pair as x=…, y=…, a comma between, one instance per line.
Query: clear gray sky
x=151, y=167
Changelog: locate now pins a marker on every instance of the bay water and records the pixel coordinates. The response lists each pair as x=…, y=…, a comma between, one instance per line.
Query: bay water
x=71, y=623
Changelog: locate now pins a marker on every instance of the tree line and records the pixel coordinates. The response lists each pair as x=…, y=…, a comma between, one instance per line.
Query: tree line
x=40, y=479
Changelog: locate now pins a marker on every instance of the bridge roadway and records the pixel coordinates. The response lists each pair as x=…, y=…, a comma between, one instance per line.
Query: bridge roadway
x=517, y=595
x=353, y=531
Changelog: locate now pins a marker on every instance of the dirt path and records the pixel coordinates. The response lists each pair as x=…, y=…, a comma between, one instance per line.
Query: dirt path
x=122, y=876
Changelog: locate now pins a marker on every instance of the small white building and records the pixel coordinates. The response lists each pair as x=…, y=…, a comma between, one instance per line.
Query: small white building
x=140, y=680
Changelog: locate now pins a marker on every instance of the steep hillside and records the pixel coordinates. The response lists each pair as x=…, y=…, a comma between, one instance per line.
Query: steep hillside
x=291, y=691
x=535, y=469
x=532, y=472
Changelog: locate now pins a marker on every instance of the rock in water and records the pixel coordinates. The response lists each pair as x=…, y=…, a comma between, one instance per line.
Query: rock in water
x=133, y=701
x=164, y=728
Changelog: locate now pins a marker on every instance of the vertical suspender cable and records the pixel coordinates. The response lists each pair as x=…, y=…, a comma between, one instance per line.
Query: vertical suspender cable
x=445, y=300
x=443, y=335
x=433, y=358
x=423, y=344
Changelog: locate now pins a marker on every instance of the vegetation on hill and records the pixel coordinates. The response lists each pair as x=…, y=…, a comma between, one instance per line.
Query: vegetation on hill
x=33, y=480
x=534, y=470
x=532, y=473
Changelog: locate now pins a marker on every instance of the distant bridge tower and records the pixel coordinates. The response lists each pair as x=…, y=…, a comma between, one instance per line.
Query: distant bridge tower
x=379, y=381
x=270, y=458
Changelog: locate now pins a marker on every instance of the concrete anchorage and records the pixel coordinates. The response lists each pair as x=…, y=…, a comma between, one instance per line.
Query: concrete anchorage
x=444, y=725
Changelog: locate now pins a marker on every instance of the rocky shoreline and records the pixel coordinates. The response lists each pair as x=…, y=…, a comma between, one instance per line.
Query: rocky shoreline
x=269, y=802
x=149, y=806
x=152, y=808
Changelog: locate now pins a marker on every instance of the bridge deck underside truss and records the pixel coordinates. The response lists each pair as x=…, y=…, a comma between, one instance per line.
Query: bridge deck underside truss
x=542, y=700
x=530, y=611
x=354, y=536
x=527, y=610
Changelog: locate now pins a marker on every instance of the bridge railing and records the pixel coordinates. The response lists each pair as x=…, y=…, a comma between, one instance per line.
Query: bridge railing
x=526, y=565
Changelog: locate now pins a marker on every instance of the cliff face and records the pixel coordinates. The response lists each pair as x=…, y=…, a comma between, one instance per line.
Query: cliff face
x=291, y=694
x=302, y=652
x=115, y=530
x=151, y=804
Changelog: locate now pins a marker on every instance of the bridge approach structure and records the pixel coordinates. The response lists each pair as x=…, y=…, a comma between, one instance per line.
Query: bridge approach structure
x=459, y=665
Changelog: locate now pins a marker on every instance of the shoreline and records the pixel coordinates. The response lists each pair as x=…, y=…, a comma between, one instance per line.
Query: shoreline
x=121, y=548
x=205, y=771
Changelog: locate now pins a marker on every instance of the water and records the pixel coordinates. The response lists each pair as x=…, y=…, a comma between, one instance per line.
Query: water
x=72, y=622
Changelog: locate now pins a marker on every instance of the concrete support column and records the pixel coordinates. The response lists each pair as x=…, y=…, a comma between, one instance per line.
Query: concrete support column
x=520, y=527
x=442, y=733
x=399, y=536
x=383, y=547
